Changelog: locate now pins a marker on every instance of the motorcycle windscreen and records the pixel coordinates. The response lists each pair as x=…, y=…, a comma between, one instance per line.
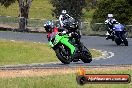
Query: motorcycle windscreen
x=118, y=27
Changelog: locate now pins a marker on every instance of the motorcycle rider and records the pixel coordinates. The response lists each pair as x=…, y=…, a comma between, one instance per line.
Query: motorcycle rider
x=110, y=23
x=63, y=17
x=50, y=29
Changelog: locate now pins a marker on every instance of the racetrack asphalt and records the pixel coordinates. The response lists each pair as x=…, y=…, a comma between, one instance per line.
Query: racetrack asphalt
x=122, y=54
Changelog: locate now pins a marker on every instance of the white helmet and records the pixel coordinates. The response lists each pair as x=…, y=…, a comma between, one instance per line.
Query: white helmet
x=63, y=12
x=110, y=15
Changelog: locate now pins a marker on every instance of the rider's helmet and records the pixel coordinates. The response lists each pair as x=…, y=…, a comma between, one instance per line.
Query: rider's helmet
x=63, y=12
x=49, y=26
x=110, y=15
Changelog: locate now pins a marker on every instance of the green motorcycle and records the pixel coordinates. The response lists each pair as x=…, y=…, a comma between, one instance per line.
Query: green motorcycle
x=67, y=50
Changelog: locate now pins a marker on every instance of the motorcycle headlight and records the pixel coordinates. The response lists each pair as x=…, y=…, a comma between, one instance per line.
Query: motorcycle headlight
x=51, y=45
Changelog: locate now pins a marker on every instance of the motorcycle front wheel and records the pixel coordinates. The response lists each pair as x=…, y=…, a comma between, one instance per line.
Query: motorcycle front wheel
x=117, y=41
x=63, y=54
x=125, y=41
x=86, y=56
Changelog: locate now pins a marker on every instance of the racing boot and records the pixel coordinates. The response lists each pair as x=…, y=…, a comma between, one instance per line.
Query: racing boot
x=108, y=34
x=108, y=37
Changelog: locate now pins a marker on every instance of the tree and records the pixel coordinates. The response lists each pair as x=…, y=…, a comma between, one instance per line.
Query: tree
x=121, y=9
x=24, y=6
x=74, y=7
x=130, y=2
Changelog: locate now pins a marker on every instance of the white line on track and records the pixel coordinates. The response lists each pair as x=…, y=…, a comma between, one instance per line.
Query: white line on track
x=105, y=55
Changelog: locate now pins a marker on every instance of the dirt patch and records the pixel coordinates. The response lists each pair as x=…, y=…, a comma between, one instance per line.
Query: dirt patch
x=113, y=68
x=9, y=26
x=34, y=72
x=15, y=27
x=47, y=72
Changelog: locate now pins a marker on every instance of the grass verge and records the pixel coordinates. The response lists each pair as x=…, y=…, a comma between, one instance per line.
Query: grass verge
x=39, y=9
x=12, y=52
x=18, y=52
x=63, y=81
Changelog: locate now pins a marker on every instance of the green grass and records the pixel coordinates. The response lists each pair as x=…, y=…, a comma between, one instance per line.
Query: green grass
x=10, y=11
x=60, y=81
x=40, y=9
x=18, y=52
x=25, y=53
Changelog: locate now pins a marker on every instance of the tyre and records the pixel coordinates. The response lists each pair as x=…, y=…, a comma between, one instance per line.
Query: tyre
x=63, y=57
x=117, y=41
x=126, y=43
x=125, y=40
x=86, y=56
